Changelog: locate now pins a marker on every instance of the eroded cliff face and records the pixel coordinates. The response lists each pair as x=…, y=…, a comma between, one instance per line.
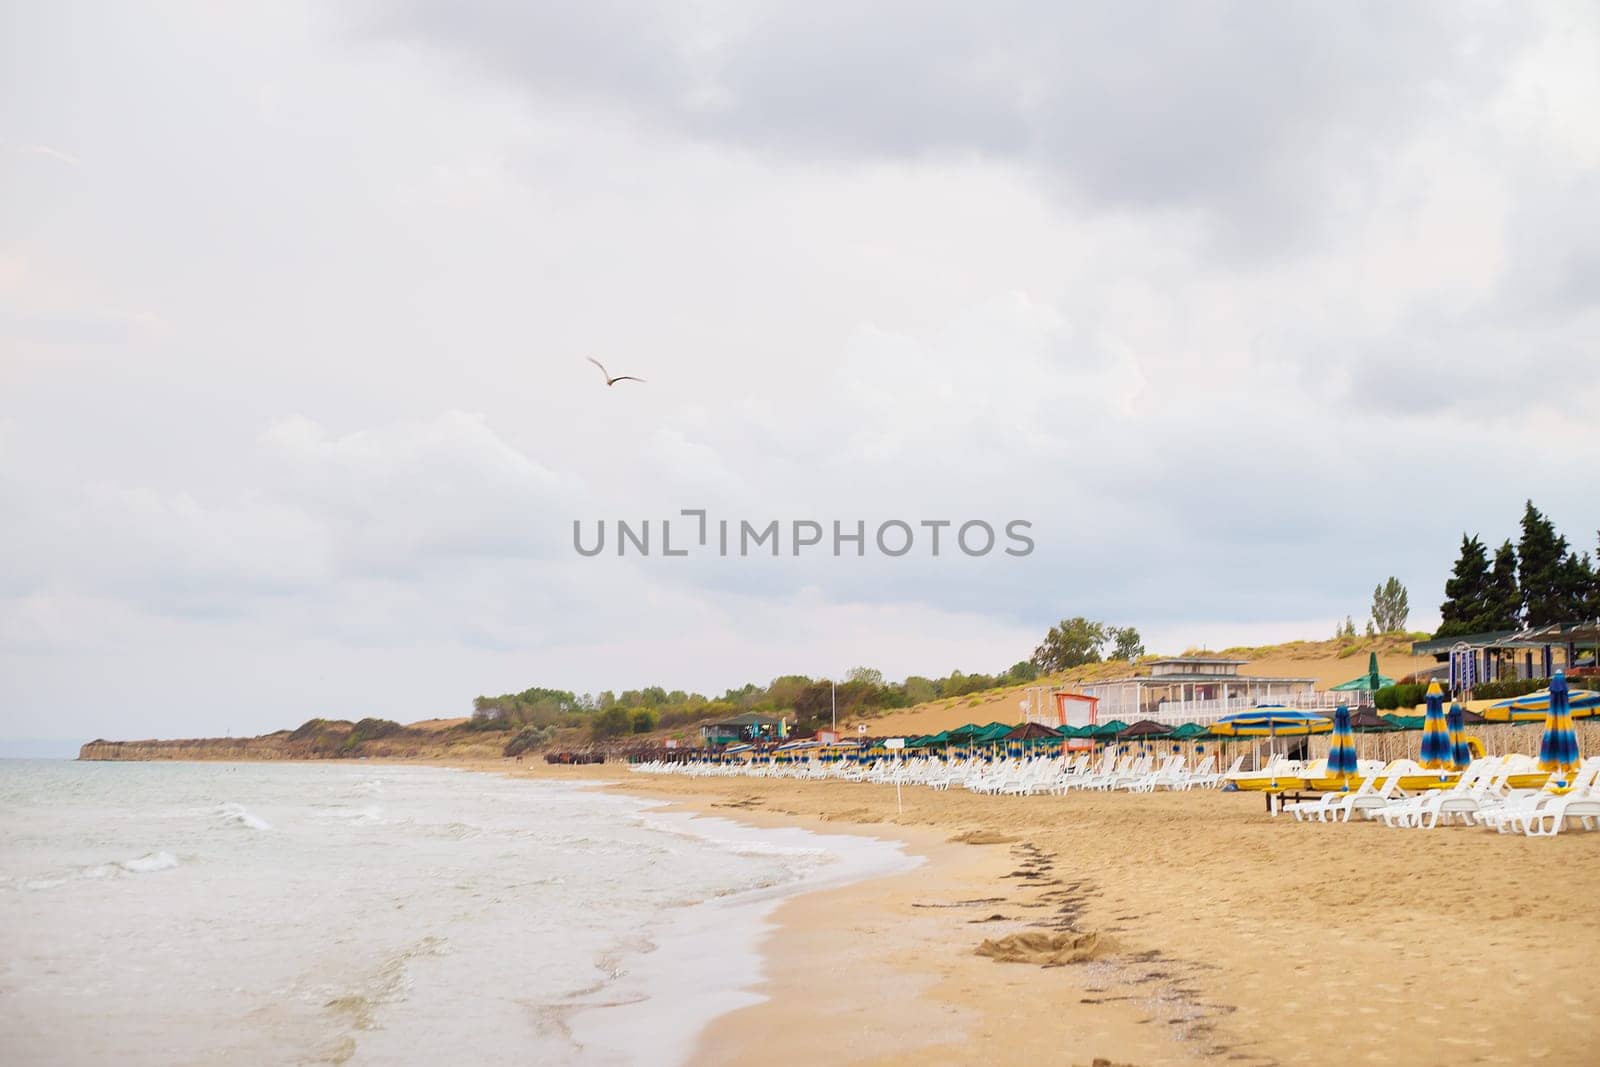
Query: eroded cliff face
x=204, y=748
x=334, y=742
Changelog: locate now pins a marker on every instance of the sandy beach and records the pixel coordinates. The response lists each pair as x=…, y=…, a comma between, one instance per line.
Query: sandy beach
x=1156, y=929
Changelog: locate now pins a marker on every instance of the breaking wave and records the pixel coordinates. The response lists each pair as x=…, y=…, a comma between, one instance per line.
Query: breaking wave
x=238, y=815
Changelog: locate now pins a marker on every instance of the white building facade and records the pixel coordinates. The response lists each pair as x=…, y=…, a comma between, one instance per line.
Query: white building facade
x=1199, y=689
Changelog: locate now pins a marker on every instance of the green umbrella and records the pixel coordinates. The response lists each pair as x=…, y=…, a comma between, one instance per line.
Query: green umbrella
x=1370, y=682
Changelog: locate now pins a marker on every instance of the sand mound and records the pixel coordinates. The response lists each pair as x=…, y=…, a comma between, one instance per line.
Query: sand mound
x=1047, y=949
x=984, y=837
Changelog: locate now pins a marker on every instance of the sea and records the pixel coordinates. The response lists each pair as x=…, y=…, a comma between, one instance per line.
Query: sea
x=204, y=913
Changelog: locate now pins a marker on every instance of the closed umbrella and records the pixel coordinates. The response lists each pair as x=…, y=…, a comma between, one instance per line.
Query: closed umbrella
x=1460, y=754
x=1435, y=753
x=1342, y=747
x=1558, y=748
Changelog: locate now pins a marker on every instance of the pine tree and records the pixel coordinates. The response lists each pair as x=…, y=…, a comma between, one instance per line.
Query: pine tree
x=1591, y=607
x=1469, y=590
x=1541, y=570
x=1504, y=605
x=1576, y=586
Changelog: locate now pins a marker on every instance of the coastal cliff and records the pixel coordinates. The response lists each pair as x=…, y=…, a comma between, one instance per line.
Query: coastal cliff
x=200, y=748
x=317, y=739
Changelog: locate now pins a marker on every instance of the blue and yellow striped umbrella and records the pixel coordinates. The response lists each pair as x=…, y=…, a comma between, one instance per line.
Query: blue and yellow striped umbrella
x=1535, y=707
x=1558, y=748
x=1271, y=721
x=1460, y=754
x=1435, y=754
x=1342, y=747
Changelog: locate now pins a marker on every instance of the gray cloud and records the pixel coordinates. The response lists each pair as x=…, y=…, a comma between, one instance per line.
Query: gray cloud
x=1269, y=120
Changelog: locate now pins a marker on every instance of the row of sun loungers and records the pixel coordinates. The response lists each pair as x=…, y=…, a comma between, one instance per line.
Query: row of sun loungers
x=1481, y=796
x=1056, y=775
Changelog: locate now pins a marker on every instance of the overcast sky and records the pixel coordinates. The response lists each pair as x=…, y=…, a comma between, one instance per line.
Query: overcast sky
x=1244, y=306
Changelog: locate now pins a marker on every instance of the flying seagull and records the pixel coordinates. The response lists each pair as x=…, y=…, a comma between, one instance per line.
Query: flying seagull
x=609, y=379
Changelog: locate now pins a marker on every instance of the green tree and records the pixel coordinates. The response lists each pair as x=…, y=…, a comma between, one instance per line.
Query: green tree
x=643, y=720
x=1468, y=591
x=920, y=690
x=1591, y=604
x=1070, y=643
x=612, y=722
x=1576, y=585
x=1541, y=571
x=1125, y=643
x=868, y=675
x=1022, y=671
x=1390, y=607
x=1505, y=596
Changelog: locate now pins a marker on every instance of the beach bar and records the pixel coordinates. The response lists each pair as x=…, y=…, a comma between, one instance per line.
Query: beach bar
x=748, y=727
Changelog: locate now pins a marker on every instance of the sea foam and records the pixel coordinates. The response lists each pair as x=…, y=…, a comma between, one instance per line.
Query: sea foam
x=149, y=863
x=238, y=815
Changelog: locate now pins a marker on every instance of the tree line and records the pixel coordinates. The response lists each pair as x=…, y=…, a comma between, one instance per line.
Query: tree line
x=1538, y=581
x=809, y=703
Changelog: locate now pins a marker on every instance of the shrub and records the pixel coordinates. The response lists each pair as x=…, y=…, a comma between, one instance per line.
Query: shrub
x=644, y=720
x=528, y=737
x=612, y=722
x=309, y=729
x=1516, y=687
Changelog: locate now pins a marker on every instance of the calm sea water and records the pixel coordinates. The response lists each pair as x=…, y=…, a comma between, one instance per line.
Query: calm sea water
x=259, y=913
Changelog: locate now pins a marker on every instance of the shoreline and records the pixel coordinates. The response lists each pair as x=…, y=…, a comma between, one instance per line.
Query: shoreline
x=717, y=947
x=1154, y=929
x=873, y=963
x=1145, y=929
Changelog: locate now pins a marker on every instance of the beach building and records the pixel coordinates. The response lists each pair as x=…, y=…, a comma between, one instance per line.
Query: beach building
x=1199, y=689
x=1532, y=653
x=747, y=727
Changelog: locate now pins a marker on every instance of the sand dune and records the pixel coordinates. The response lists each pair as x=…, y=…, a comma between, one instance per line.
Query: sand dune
x=1328, y=662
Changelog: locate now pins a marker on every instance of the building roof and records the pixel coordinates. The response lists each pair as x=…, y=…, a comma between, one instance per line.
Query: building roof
x=1198, y=659
x=1438, y=646
x=1210, y=679
x=749, y=718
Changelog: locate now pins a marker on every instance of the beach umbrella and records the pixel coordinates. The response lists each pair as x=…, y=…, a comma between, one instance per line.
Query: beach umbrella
x=1271, y=721
x=1366, y=721
x=1367, y=683
x=1342, y=746
x=1435, y=753
x=1144, y=731
x=1460, y=754
x=1534, y=707
x=1558, y=748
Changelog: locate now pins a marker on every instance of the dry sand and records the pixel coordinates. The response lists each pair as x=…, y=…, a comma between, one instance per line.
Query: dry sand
x=1159, y=929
